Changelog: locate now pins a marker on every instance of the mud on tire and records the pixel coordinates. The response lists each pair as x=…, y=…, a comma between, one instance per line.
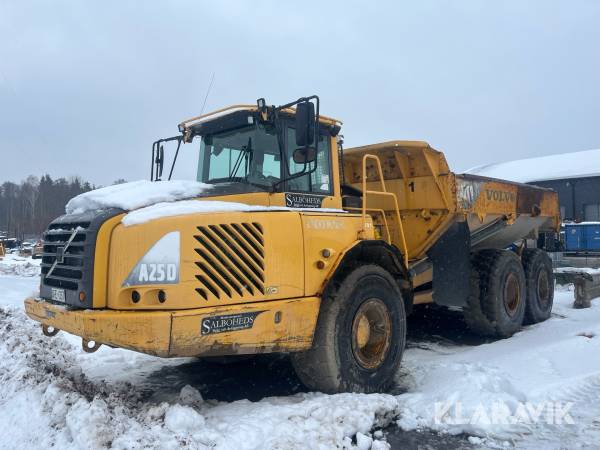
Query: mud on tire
x=360, y=335
x=539, y=279
x=496, y=305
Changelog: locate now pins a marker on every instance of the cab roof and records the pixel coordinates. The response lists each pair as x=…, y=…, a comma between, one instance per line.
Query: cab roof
x=193, y=121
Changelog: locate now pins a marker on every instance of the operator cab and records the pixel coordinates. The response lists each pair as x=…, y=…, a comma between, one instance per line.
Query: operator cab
x=252, y=149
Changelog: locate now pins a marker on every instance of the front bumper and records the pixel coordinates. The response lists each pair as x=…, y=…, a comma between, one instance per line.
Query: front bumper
x=260, y=327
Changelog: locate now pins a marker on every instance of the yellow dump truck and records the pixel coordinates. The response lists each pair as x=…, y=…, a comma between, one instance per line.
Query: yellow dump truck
x=302, y=247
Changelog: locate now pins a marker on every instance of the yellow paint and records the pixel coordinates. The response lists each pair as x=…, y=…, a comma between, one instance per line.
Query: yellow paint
x=210, y=249
x=177, y=333
x=101, y=261
x=430, y=197
x=336, y=232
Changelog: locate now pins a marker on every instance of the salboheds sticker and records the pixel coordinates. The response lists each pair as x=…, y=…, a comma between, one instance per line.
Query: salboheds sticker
x=303, y=200
x=229, y=322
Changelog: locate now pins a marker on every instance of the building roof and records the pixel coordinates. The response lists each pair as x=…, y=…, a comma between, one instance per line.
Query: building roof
x=552, y=167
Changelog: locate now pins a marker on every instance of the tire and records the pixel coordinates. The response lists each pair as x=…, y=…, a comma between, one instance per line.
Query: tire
x=539, y=279
x=496, y=305
x=359, y=337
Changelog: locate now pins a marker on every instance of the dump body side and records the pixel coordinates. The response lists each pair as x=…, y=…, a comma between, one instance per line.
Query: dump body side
x=432, y=199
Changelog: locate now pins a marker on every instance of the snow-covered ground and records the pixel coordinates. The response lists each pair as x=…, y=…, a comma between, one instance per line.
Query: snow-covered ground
x=53, y=394
x=18, y=265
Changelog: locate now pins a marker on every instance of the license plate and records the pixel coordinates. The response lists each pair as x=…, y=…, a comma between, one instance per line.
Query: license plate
x=58, y=295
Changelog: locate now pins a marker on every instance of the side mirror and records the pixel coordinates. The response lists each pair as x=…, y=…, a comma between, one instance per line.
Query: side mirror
x=160, y=161
x=304, y=155
x=305, y=124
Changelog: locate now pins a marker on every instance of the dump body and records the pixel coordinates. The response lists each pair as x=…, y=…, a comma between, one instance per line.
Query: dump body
x=431, y=199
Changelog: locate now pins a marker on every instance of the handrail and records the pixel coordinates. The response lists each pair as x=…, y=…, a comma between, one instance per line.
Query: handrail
x=384, y=193
x=380, y=211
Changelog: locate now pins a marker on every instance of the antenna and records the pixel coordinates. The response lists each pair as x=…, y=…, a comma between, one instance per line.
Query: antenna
x=212, y=78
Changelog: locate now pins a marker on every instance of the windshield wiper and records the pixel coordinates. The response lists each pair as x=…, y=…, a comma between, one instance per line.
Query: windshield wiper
x=246, y=150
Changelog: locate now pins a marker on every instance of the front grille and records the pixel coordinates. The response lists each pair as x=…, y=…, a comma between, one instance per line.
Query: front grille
x=231, y=261
x=74, y=272
x=68, y=272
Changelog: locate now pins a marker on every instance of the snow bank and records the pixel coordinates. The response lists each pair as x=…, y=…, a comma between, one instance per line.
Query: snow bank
x=587, y=270
x=186, y=207
x=554, y=361
x=552, y=167
x=18, y=265
x=77, y=400
x=137, y=194
x=43, y=381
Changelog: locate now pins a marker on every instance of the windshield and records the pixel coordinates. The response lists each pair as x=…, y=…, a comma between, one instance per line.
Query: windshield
x=249, y=155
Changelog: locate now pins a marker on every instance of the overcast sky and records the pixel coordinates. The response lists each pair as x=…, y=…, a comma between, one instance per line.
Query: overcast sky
x=86, y=87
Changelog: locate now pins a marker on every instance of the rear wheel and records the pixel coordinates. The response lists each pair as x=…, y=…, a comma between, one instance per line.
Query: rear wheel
x=360, y=335
x=539, y=279
x=496, y=305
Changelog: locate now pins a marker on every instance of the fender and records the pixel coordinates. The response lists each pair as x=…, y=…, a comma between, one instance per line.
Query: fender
x=377, y=252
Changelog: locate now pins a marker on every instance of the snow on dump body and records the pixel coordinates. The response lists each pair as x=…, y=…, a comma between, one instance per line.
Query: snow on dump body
x=134, y=195
x=552, y=167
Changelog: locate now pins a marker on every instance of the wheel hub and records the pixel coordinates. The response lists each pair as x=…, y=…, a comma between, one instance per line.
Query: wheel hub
x=543, y=287
x=512, y=294
x=371, y=333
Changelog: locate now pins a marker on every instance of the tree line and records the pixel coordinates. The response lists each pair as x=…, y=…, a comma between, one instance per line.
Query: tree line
x=28, y=207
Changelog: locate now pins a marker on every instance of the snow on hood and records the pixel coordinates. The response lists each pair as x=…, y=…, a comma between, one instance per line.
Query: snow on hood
x=552, y=167
x=134, y=195
x=186, y=207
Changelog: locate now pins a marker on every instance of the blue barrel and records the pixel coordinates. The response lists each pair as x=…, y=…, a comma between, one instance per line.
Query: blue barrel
x=582, y=237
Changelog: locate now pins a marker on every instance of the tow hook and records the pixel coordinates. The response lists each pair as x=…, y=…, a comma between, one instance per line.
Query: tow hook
x=90, y=348
x=49, y=331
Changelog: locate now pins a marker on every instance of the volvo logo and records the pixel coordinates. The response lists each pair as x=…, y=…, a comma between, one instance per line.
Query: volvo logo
x=60, y=252
x=60, y=255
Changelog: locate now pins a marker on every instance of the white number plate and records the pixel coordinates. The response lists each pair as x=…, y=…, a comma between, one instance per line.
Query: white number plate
x=58, y=295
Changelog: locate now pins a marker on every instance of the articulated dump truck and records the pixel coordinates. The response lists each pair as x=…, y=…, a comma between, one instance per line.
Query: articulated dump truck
x=319, y=252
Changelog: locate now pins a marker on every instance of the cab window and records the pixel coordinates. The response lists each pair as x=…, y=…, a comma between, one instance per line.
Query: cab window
x=248, y=155
x=319, y=181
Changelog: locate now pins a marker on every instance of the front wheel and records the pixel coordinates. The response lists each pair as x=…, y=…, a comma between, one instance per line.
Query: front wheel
x=360, y=335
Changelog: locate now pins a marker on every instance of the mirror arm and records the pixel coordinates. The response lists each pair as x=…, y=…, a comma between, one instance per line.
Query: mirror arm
x=157, y=165
x=175, y=158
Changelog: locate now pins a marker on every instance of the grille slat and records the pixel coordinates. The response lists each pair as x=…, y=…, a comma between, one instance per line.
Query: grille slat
x=238, y=252
x=231, y=261
x=217, y=249
x=221, y=269
x=256, y=230
x=232, y=257
x=69, y=272
x=215, y=278
x=208, y=285
x=252, y=247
